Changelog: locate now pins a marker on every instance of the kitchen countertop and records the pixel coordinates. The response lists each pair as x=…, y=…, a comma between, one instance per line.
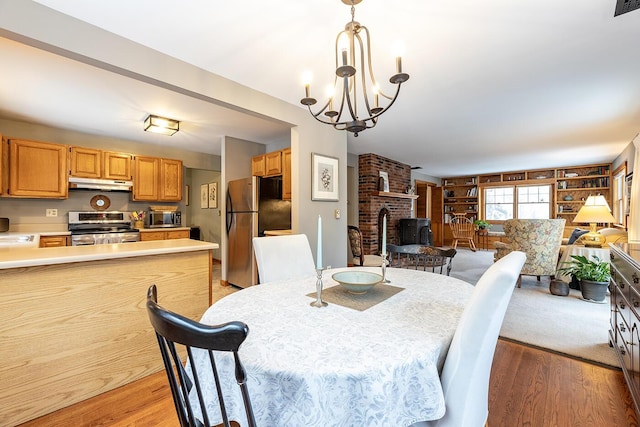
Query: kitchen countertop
x=277, y=232
x=30, y=257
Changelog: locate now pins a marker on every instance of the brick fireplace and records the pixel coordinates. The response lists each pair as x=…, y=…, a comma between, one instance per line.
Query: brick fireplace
x=372, y=206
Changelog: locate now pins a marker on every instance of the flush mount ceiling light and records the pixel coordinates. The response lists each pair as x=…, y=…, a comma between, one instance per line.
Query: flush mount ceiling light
x=157, y=124
x=353, y=47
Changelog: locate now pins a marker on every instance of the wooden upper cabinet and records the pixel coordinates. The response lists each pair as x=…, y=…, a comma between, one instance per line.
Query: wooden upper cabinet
x=145, y=178
x=286, y=174
x=86, y=162
x=273, y=163
x=258, y=165
x=37, y=169
x=4, y=166
x=157, y=179
x=93, y=163
x=116, y=165
x=170, y=185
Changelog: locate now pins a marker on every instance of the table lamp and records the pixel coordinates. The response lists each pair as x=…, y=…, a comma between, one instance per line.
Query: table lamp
x=595, y=210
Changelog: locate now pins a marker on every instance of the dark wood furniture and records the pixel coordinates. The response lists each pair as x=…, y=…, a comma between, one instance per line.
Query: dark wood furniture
x=625, y=312
x=178, y=335
x=436, y=260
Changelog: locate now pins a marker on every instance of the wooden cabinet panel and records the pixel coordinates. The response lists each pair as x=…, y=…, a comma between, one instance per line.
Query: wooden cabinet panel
x=177, y=234
x=145, y=178
x=151, y=235
x=273, y=163
x=258, y=167
x=86, y=162
x=116, y=165
x=164, y=235
x=54, y=241
x=286, y=174
x=156, y=179
x=170, y=185
x=37, y=169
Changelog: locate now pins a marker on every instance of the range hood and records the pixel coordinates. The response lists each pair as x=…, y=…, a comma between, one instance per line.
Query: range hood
x=76, y=183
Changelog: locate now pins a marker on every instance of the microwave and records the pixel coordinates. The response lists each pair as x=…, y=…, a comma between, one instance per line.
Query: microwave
x=159, y=219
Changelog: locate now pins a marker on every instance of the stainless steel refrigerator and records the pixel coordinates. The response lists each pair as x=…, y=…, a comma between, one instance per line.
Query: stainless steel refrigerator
x=253, y=206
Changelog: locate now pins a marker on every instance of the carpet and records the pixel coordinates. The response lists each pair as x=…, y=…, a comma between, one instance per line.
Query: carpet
x=566, y=325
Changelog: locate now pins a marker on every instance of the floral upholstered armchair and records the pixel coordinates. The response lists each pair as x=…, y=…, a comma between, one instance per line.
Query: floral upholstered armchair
x=539, y=239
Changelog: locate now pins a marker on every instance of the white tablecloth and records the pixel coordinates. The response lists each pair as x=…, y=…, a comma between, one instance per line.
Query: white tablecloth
x=336, y=366
x=602, y=253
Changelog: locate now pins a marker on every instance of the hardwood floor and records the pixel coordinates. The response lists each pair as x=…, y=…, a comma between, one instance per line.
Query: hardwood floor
x=529, y=387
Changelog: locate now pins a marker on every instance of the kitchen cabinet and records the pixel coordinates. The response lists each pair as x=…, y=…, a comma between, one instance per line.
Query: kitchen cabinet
x=273, y=163
x=164, y=234
x=258, y=165
x=54, y=241
x=37, y=169
x=286, y=174
x=93, y=163
x=270, y=164
x=156, y=179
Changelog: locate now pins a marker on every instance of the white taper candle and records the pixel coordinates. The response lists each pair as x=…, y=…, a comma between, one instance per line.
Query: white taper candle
x=319, y=256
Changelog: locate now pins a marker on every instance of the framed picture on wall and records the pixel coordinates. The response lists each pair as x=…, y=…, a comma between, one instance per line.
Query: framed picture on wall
x=324, y=178
x=213, y=195
x=204, y=196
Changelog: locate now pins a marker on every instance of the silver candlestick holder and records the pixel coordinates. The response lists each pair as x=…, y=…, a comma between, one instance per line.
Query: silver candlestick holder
x=384, y=269
x=318, y=302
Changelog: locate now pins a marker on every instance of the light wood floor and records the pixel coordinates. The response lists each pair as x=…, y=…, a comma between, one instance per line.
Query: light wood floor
x=529, y=387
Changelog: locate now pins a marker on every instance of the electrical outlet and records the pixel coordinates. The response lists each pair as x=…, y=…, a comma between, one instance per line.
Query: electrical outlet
x=52, y=212
x=336, y=213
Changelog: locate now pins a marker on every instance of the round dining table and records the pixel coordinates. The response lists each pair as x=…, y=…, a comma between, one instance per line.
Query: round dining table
x=363, y=360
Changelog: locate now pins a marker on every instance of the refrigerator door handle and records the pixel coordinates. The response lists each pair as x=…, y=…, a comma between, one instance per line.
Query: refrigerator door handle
x=229, y=212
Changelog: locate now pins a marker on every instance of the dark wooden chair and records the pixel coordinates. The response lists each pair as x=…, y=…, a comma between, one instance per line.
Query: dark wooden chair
x=360, y=259
x=437, y=260
x=176, y=333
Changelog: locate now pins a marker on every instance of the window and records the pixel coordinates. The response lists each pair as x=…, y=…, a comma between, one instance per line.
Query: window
x=522, y=201
x=534, y=202
x=619, y=195
x=498, y=203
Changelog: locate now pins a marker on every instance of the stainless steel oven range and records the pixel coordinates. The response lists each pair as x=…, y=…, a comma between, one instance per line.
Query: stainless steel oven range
x=95, y=228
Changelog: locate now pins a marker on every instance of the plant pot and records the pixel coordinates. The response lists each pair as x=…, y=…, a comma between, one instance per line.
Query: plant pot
x=594, y=291
x=559, y=287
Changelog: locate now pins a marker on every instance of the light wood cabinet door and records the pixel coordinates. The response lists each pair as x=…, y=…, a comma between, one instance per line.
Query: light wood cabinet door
x=86, y=162
x=117, y=165
x=145, y=178
x=4, y=166
x=286, y=174
x=170, y=184
x=146, y=236
x=177, y=234
x=54, y=241
x=258, y=165
x=38, y=169
x=273, y=163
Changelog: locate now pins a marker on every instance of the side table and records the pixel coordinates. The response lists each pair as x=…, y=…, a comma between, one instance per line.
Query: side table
x=482, y=237
x=602, y=253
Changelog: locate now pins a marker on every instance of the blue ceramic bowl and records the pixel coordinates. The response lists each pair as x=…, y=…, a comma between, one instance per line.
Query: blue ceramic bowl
x=357, y=282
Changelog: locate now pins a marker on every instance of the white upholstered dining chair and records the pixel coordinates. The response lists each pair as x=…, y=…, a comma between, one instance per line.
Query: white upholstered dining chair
x=467, y=367
x=283, y=257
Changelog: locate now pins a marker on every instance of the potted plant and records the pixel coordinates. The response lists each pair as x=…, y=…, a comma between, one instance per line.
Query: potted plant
x=593, y=276
x=481, y=224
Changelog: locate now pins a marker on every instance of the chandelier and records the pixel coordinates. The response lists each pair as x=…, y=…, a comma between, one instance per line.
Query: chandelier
x=356, y=110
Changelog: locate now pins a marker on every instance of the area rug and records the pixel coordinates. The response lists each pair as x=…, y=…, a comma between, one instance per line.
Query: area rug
x=566, y=325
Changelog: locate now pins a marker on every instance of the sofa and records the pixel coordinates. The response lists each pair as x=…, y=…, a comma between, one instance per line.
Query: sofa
x=611, y=235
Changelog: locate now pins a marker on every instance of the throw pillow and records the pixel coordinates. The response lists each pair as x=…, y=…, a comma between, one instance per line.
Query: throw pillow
x=576, y=233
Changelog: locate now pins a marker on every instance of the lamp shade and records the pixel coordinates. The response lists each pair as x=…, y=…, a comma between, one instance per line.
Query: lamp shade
x=157, y=124
x=595, y=209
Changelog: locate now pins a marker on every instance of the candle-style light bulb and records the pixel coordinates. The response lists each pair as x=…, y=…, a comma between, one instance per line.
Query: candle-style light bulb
x=398, y=51
x=306, y=81
x=376, y=90
x=343, y=47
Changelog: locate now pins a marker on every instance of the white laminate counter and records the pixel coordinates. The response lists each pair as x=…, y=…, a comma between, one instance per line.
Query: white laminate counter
x=30, y=257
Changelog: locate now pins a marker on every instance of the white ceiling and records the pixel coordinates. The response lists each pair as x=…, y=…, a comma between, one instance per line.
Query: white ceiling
x=495, y=84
